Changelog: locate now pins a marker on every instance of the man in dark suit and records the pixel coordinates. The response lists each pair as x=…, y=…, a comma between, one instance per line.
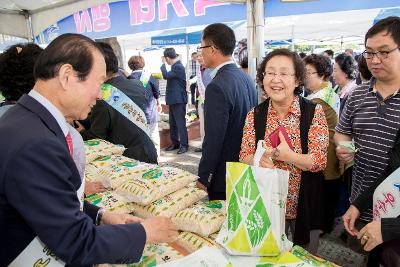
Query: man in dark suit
x=229, y=96
x=39, y=181
x=176, y=99
x=109, y=124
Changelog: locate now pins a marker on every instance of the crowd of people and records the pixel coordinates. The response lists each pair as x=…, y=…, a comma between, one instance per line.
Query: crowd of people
x=331, y=121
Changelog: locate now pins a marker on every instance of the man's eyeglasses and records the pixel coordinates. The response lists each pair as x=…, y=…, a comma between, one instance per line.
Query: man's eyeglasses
x=379, y=54
x=283, y=75
x=199, y=48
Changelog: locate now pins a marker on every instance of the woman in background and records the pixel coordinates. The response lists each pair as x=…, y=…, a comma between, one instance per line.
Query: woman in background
x=136, y=64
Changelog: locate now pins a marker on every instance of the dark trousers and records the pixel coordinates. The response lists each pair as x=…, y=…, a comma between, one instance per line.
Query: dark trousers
x=386, y=254
x=193, y=94
x=212, y=195
x=177, y=125
x=331, y=199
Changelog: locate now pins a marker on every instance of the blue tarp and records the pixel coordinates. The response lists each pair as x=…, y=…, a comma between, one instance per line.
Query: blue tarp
x=387, y=13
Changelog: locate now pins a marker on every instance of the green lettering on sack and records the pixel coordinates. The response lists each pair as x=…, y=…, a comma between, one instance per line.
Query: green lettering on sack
x=92, y=142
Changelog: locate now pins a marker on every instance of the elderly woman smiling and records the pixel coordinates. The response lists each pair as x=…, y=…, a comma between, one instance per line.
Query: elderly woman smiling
x=281, y=75
x=318, y=71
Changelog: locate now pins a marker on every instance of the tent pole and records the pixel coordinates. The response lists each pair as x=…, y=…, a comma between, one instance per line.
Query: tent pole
x=255, y=36
x=251, y=53
x=341, y=44
x=292, y=45
x=187, y=66
x=28, y=19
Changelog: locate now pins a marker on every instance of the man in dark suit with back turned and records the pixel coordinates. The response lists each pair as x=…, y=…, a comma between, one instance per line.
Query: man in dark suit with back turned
x=40, y=186
x=229, y=96
x=176, y=99
x=109, y=124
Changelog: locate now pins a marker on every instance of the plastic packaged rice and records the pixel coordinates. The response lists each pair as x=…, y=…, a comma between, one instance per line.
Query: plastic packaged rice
x=203, y=218
x=153, y=255
x=171, y=204
x=285, y=259
x=148, y=185
x=204, y=257
x=97, y=147
x=114, y=170
x=192, y=242
x=110, y=201
x=90, y=173
x=310, y=259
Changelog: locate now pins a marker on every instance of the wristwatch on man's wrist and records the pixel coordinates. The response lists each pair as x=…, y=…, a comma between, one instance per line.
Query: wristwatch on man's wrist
x=99, y=216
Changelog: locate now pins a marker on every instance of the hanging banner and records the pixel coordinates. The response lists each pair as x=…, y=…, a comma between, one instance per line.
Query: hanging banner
x=177, y=39
x=136, y=16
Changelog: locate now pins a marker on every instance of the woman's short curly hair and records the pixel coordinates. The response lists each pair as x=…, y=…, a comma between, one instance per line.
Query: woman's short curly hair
x=363, y=68
x=299, y=69
x=136, y=63
x=347, y=64
x=321, y=64
x=16, y=70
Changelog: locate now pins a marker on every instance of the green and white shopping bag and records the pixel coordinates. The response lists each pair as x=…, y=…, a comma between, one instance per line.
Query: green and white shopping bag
x=256, y=204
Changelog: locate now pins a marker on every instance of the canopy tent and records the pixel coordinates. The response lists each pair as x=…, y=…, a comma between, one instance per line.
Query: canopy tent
x=318, y=21
x=17, y=15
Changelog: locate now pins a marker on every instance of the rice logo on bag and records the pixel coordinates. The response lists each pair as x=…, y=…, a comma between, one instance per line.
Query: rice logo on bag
x=152, y=174
x=255, y=223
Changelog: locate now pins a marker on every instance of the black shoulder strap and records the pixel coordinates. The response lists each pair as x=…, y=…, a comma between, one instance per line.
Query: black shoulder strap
x=260, y=120
x=307, y=109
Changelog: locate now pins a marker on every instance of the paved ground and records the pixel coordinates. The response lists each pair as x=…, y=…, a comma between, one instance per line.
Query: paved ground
x=331, y=247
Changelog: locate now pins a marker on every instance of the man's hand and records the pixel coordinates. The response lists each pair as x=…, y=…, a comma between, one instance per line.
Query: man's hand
x=344, y=155
x=371, y=235
x=163, y=60
x=93, y=188
x=349, y=219
x=119, y=218
x=160, y=230
x=201, y=186
x=159, y=107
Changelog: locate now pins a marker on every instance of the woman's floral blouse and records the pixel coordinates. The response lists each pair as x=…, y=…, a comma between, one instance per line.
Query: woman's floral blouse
x=318, y=140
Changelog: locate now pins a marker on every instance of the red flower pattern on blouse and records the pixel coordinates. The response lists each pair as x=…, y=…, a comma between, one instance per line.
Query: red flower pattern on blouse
x=318, y=141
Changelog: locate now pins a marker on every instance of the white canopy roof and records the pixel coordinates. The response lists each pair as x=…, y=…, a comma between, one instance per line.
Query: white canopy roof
x=43, y=13
x=318, y=28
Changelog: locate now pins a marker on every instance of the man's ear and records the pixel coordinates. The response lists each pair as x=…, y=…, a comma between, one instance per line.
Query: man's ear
x=65, y=75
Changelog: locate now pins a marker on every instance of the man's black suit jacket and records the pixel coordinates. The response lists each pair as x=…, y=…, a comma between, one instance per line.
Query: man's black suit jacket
x=38, y=184
x=229, y=96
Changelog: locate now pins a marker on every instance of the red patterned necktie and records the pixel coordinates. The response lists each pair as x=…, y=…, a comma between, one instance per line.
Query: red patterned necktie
x=68, y=138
